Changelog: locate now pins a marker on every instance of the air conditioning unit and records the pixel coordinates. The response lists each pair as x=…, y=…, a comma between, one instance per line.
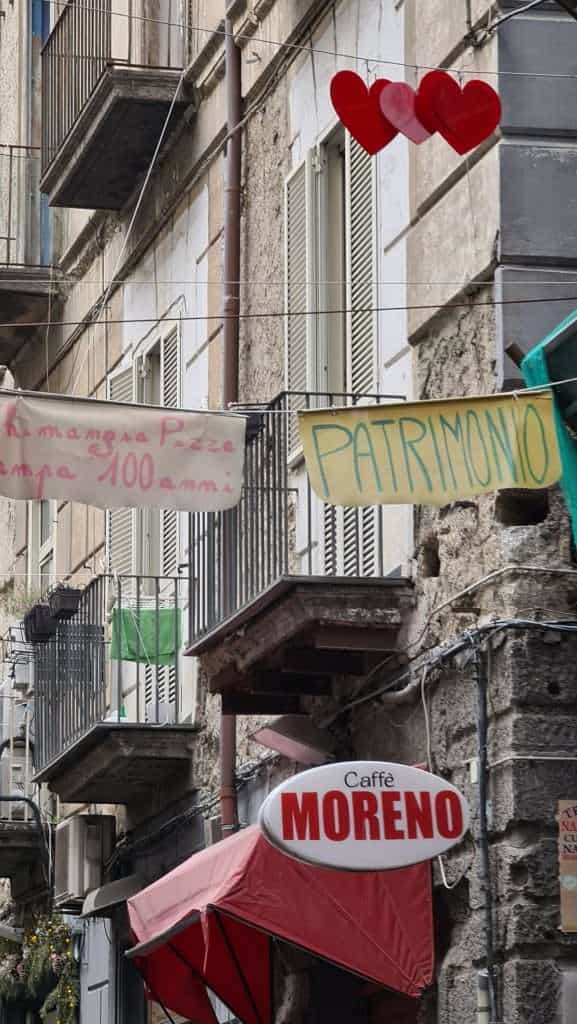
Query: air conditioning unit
x=83, y=844
x=212, y=830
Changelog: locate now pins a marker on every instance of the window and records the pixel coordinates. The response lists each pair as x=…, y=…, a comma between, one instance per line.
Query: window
x=146, y=541
x=45, y=522
x=41, y=562
x=331, y=266
x=331, y=274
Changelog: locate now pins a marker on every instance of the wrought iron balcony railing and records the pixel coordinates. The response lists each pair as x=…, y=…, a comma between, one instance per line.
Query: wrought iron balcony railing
x=118, y=660
x=88, y=38
x=205, y=28
x=280, y=528
x=21, y=211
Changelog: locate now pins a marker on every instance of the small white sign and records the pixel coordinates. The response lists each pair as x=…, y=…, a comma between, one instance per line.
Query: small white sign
x=364, y=816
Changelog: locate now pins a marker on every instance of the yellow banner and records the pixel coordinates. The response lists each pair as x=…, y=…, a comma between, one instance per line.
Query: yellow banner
x=430, y=453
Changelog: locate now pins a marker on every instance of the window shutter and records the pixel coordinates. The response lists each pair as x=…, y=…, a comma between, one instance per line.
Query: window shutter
x=159, y=686
x=331, y=540
x=298, y=274
x=120, y=522
x=170, y=396
x=360, y=526
x=361, y=266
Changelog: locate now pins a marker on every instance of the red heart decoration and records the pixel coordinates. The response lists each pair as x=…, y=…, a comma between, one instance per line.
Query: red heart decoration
x=397, y=102
x=464, y=117
x=359, y=110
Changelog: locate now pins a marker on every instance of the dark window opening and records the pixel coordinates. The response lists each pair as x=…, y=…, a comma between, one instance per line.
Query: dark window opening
x=430, y=559
x=521, y=508
x=131, y=1007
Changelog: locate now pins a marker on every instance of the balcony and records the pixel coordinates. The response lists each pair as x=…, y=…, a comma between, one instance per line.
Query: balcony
x=109, y=77
x=27, y=286
x=287, y=593
x=109, y=688
x=22, y=845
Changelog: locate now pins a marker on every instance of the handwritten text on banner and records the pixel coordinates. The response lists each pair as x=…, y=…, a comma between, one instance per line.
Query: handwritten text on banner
x=116, y=456
x=430, y=452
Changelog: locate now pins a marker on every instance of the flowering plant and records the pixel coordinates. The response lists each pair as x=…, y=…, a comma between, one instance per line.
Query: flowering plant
x=44, y=959
x=11, y=986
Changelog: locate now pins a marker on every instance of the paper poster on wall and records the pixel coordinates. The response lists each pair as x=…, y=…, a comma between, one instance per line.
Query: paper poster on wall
x=568, y=864
x=430, y=452
x=117, y=455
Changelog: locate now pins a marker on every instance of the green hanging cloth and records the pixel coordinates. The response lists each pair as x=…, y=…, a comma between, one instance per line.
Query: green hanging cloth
x=147, y=636
x=536, y=373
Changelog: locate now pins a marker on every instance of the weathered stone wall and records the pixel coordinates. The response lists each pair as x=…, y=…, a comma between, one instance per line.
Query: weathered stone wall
x=531, y=700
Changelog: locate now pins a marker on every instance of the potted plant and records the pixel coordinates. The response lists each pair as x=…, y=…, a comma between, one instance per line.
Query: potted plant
x=43, y=624
x=64, y=601
x=29, y=620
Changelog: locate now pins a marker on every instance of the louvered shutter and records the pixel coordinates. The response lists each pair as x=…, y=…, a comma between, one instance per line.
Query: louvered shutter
x=159, y=687
x=170, y=387
x=361, y=269
x=358, y=530
x=120, y=522
x=298, y=274
x=331, y=540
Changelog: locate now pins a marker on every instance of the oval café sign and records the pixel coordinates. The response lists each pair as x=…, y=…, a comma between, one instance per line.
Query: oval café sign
x=364, y=816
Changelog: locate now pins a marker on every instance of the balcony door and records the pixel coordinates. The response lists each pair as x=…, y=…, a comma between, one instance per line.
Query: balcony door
x=144, y=544
x=331, y=352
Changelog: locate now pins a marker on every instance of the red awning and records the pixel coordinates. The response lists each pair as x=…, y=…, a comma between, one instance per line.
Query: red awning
x=209, y=922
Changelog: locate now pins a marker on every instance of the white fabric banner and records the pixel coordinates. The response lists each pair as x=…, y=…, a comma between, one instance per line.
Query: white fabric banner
x=118, y=456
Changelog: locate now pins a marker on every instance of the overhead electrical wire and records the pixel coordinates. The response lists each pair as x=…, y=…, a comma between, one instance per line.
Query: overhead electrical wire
x=284, y=314
x=363, y=59
x=122, y=282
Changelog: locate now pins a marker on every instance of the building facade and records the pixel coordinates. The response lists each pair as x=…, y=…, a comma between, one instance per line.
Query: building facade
x=437, y=636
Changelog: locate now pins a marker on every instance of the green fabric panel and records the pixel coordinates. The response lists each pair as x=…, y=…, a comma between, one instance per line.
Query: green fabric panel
x=146, y=636
x=535, y=373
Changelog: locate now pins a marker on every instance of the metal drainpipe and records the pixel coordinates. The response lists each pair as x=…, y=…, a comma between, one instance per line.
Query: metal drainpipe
x=231, y=309
x=482, y=730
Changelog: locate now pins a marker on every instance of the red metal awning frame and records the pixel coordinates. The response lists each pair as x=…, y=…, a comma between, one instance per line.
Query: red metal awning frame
x=209, y=924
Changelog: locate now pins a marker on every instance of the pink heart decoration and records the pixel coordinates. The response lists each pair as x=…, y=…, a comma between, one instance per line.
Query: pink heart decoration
x=397, y=102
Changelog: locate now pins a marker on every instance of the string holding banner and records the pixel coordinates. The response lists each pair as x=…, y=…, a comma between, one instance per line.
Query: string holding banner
x=430, y=452
x=119, y=456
